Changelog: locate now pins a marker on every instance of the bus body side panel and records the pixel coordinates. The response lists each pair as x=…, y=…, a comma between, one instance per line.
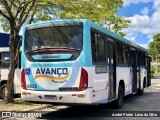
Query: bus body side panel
x=17, y=81
x=100, y=79
x=4, y=74
x=100, y=86
x=5, y=70
x=125, y=74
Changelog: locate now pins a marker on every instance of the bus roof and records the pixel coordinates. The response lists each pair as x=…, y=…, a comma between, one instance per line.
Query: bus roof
x=92, y=24
x=4, y=49
x=118, y=37
x=4, y=39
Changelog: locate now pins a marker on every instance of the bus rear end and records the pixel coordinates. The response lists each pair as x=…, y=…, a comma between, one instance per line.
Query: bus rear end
x=56, y=63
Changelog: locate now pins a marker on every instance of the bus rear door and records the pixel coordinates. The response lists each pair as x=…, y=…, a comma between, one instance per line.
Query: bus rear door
x=112, y=70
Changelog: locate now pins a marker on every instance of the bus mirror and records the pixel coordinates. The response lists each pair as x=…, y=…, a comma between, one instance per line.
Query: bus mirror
x=6, y=59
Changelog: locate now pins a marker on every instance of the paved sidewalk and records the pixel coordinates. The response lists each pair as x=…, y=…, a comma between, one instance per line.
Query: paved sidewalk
x=38, y=107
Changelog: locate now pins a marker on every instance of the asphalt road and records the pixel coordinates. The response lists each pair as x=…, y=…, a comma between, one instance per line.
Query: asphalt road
x=133, y=104
x=139, y=104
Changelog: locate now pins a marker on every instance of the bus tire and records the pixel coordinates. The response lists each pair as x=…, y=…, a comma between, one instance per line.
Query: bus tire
x=141, y=91
x=2, y=91
x=119, y=101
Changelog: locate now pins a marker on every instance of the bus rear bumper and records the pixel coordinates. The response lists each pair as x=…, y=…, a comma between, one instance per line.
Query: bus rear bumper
x=77, y=97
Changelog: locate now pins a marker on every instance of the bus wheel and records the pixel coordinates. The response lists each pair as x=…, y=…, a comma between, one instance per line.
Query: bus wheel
x=2, y=91
x=119, y=101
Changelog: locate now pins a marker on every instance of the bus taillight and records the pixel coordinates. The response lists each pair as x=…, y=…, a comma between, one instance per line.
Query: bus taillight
x=23, y=79
x=83, y=80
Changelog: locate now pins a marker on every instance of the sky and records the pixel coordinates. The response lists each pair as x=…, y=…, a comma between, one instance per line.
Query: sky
x=145, y=20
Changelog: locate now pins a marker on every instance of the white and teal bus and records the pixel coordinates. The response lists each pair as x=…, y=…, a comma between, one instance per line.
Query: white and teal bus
x=4, y=70
x=80, y=62
x=5, y=64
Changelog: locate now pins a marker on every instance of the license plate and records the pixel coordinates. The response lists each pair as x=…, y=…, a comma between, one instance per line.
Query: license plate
x=50, y=97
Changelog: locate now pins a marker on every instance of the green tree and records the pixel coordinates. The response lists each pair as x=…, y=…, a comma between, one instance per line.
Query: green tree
x=119, y=24
x=94, y=10
x=13, y=14
x=154, y=47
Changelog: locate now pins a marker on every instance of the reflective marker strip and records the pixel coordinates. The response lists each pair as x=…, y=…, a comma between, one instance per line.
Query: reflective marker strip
x=74, y=94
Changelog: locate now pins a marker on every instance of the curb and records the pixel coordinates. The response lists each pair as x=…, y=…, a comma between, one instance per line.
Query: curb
x=38, y=108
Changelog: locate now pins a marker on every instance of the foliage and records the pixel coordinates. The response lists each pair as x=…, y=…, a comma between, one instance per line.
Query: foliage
x=15, y=13
x=94, y=10
x=154, y=47
x=22, y=11
x=158, y=69
x=118, y=24
x=153, y=70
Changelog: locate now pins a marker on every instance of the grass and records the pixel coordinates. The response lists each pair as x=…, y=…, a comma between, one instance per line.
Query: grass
x=17, y=105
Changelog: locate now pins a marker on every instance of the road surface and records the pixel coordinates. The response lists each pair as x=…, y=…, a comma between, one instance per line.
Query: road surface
x=150, y=101
x=133, y=104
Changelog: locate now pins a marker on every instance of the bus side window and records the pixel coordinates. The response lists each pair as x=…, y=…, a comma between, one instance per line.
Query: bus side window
x=126, y=52
x=94, y=47
x=101, y=49
x=19, y=61
x=98, y=48
x=143, y=59
x=5, y=63
x=119, y=51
